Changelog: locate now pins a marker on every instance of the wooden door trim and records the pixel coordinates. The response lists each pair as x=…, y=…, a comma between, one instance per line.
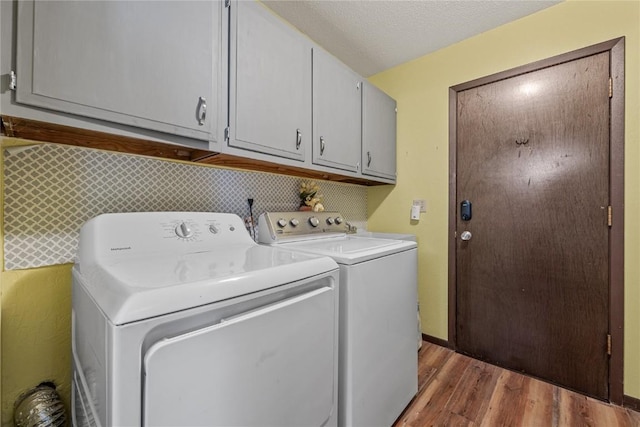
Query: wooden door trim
x=616, y=236
x=616, y=194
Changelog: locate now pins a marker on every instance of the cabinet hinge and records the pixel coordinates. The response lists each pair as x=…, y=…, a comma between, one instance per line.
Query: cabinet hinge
x=13, y=81
x=610, y=87
x=609, y=216
x=396, y=110
x=227, y=3
x=226, y=133
x=609, y=344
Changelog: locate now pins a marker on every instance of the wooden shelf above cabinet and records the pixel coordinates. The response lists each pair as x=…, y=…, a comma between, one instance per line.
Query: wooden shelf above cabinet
x=60, y=134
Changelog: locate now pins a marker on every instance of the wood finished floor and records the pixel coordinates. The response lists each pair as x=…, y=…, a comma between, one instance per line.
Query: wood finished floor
x=455, y=390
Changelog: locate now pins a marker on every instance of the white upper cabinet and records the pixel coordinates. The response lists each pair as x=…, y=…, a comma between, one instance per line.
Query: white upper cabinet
x=337, y=107
x=231, y=78
x=270, y=84
x=378, y=133
x=149, y=64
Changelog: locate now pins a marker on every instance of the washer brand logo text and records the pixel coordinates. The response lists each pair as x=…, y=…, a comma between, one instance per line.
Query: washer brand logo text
x=121, y=249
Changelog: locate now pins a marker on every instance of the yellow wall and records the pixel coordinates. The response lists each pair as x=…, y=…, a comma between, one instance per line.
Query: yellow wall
x=36, y=311
x=421, y=89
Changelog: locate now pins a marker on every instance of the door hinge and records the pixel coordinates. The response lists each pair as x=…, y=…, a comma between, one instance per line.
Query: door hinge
x=609, y=344
x=226, y=133
x=227, y=3
x=13, y=80
x=609, y=216
x=610, y=87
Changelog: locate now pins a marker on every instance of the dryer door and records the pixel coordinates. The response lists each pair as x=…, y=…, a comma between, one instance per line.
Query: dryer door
x=274, y=365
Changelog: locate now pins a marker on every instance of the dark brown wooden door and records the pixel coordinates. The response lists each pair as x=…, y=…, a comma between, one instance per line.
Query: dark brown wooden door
x=532, y=289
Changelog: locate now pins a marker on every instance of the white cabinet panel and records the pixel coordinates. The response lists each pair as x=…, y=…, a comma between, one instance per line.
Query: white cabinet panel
x=270, y=83
x=378, y=133
x=337, y=113
x=150, y=64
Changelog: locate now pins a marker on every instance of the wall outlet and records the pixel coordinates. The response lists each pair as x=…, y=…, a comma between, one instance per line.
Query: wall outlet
x=422, y=203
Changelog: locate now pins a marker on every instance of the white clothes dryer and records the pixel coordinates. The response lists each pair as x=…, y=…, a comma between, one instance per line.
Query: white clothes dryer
x=180, y=319
x=378, y=368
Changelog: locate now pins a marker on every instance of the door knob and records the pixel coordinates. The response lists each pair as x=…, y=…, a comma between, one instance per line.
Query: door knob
x=466, y=235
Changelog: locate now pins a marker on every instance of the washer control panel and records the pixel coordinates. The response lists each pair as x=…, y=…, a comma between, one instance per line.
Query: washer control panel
x=195, y=230
x=279, y=226
x=120, y=235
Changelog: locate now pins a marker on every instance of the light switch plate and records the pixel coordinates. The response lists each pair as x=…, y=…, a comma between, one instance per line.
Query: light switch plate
x=415, y=213
x=422, y=203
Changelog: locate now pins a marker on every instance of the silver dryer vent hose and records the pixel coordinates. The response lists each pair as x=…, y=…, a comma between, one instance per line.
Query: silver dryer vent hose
x=40, y=407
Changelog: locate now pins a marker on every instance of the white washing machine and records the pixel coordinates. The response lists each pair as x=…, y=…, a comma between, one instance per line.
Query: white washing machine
x=378, y=374
x=180, y=319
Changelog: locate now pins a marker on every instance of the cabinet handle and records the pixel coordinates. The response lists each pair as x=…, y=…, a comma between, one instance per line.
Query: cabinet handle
x=321, y=145
x=368, y=158
x=298, y=138
x=202, y=110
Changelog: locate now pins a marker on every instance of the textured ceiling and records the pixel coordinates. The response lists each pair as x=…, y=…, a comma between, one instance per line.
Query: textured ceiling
x=373, y=35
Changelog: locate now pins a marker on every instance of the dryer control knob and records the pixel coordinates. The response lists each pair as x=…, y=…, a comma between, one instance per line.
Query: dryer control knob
x=282, y=222
x=339, y=220
x=294, y=222
x=330, y=221
x=213, y=229
x=314, y=221
x=183, y=231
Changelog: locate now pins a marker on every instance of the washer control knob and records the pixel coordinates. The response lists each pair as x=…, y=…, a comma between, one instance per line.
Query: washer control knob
x=183, y=231
x=330, y=221
x=314, y=221
x=294, y=222
x=282, y=222
x=213, y=229
x=339, y=220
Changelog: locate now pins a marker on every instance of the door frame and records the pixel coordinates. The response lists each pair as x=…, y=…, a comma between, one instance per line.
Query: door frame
x=616, y=193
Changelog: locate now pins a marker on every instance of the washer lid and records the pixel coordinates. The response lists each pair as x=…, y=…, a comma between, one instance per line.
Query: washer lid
x=352, y=250
x=137, y=288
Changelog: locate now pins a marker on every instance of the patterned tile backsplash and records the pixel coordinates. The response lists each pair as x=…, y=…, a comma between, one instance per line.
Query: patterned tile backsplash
x=51, y=190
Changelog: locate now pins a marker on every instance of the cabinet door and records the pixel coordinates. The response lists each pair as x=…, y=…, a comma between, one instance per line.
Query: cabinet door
x=378, y=133
x=270, y=83
x=337, y=106
x=150, y=64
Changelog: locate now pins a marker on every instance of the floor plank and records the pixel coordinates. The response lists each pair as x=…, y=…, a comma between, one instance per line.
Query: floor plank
x=539, y=408
x=509, y=392
x=455, y=390
x=472, y=396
